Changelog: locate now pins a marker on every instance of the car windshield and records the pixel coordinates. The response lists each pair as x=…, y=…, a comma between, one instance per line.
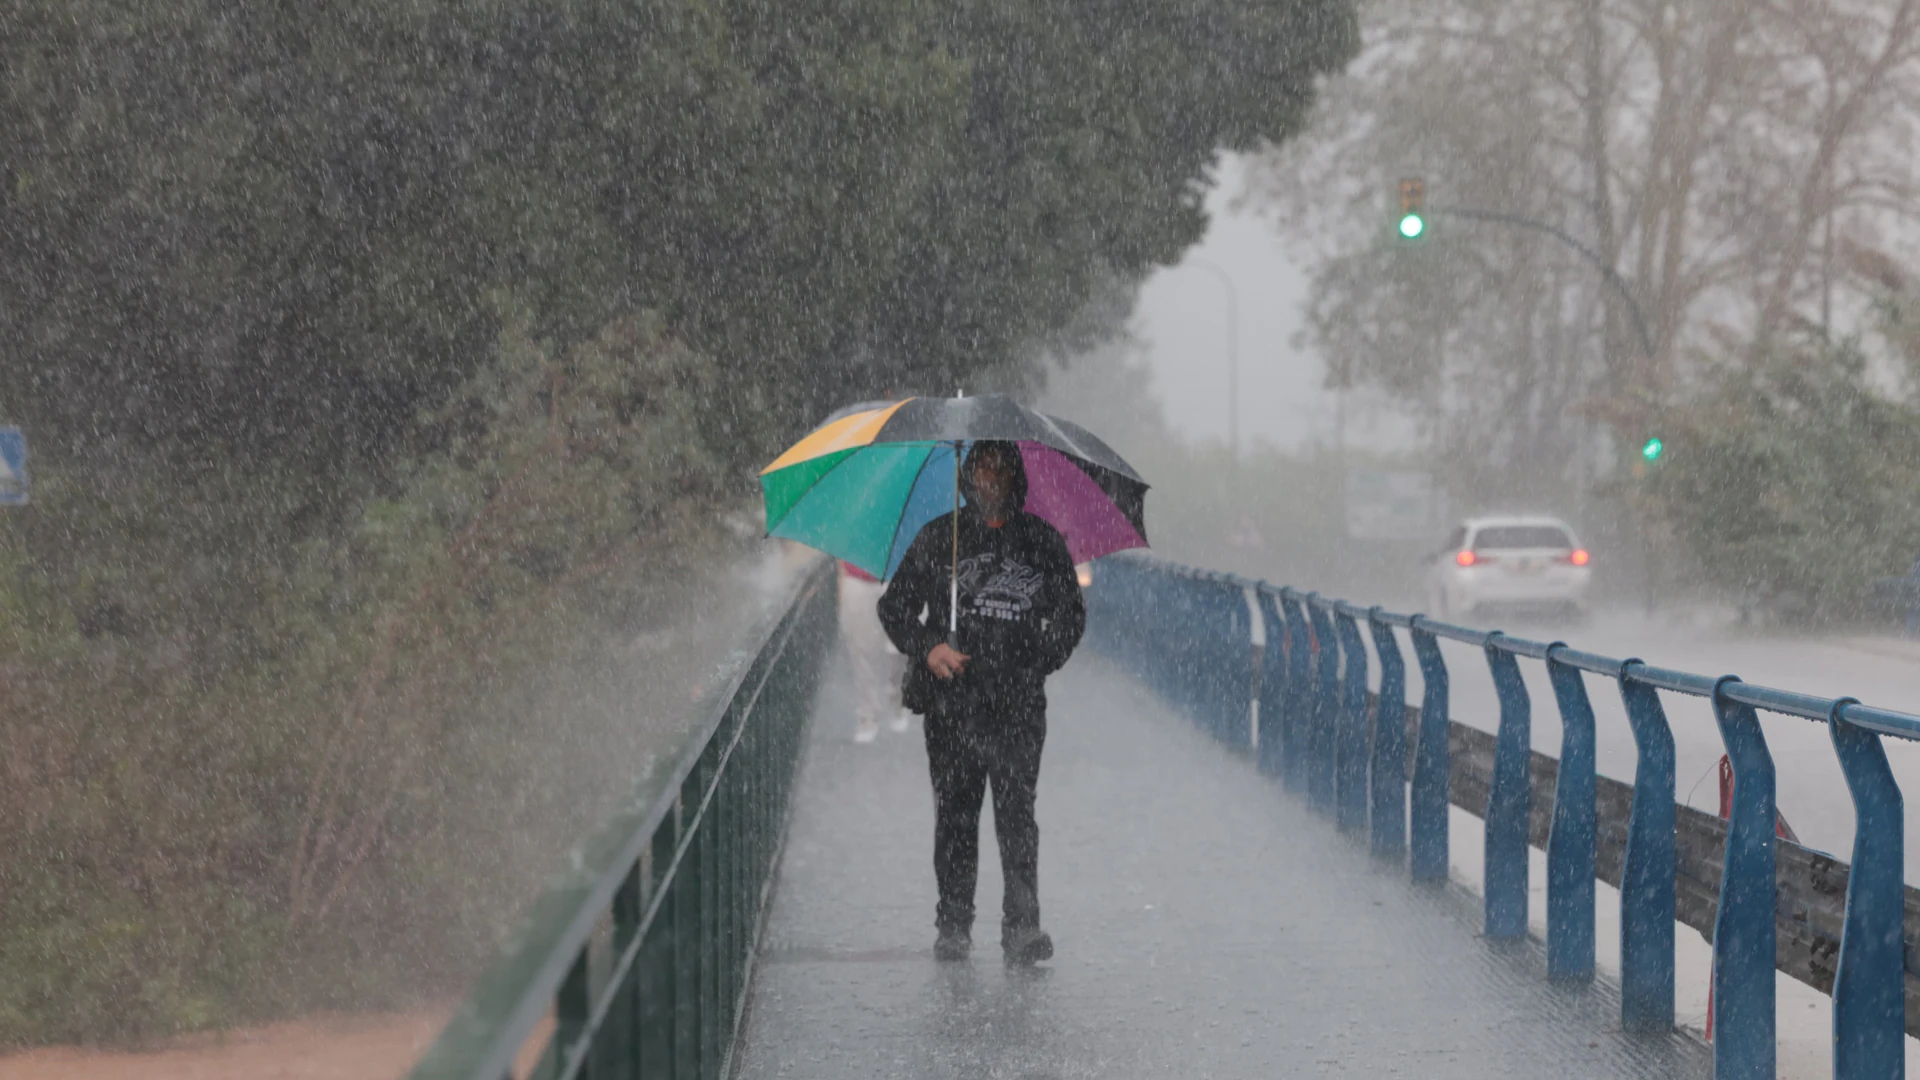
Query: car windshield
x=1500, y=537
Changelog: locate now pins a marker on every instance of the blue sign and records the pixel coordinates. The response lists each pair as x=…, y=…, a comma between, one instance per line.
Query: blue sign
x=13, y=467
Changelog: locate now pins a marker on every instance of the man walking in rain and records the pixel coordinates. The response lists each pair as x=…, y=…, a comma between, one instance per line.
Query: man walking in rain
x=983, y=693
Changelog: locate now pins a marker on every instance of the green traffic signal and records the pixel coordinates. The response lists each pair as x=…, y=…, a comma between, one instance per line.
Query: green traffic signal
x=1413, y=208
x=1653, y=450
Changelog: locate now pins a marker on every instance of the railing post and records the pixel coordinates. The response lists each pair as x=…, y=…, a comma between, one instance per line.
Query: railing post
x=1203, y=638
x=1170, y=641
x=571, y=1009
x=1326, y=702
x=1744, y=936
x=1570, y=845
x=658, y=972
x=1427, y=856
x=1150, y=657
x=1350, y=736
x=706, y=837
x=1508, y=800
x=686, y=943
x=1299, y=698
x=1387, y=769
x=733, y=934
x=1646, y=880
x=1247, y=727
x=1236, y=694
x=1869, y=991
x=1200, y=636
x=621, y=1048
x=1273, y=686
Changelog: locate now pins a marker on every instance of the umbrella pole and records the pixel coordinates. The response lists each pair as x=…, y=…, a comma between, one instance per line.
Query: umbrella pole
x=953, y=578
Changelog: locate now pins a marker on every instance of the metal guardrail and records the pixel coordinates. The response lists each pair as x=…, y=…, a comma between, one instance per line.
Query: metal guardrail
x=641, y=948
x=1184, y=632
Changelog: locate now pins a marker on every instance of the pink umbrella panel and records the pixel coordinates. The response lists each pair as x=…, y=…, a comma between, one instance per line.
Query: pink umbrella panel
x=1061, y=493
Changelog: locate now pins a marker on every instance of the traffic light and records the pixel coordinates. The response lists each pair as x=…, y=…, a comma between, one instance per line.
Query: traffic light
x=1413, y=208
x=1650, y=452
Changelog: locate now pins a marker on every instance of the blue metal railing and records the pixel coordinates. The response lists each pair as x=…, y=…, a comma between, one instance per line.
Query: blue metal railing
x=1176, y=628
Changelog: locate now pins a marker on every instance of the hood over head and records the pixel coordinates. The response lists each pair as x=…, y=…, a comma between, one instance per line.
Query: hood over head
x=1009, y=453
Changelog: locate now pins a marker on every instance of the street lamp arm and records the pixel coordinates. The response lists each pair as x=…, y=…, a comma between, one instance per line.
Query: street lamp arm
x=1613, y=278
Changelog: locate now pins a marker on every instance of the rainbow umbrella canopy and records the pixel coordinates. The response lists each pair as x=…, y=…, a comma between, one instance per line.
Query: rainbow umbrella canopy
x=862, y=485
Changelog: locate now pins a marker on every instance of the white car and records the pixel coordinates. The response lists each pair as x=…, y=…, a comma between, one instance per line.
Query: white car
x=1524, y=564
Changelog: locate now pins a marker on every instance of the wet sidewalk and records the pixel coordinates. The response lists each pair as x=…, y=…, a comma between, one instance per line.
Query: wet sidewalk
x=1206, y=926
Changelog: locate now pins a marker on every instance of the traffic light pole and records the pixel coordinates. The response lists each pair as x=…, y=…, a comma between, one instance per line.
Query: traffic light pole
x=1613, y=278
x=1619, y=286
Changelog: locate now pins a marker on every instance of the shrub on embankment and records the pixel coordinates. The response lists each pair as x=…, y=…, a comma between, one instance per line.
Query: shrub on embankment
x=1792, y=480
x=249, y=777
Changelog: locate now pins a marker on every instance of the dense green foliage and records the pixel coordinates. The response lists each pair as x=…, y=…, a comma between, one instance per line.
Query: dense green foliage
x=275, y=225
x=389, y=365
x=248, y=778
x=1791, y=474
x=1793, y=481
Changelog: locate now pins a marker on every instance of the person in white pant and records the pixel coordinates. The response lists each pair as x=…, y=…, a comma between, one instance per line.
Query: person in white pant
x=877, y=665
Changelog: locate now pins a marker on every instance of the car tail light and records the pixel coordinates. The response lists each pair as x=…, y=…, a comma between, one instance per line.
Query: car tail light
x=1579, y=557
x=1465, y=558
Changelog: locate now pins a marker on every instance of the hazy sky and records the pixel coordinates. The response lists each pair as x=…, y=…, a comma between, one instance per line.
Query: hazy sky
x=1181, y=321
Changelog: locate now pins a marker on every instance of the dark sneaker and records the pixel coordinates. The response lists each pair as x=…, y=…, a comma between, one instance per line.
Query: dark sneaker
x=952, y=945
x=1026, y=945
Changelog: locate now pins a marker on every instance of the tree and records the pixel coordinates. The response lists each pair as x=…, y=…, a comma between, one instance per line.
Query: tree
x=274, y=227
x=1089, y=135
x=1700, y=150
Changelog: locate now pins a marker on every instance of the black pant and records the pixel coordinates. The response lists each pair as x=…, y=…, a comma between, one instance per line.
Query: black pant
x=965, y=751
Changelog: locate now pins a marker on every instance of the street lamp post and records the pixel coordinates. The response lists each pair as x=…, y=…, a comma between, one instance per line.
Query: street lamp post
x=1233, y=355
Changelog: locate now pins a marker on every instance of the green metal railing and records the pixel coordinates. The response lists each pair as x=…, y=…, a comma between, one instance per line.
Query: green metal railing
x=642, y=947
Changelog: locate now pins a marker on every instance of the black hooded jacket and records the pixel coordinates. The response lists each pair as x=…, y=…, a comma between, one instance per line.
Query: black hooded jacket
x=1020, y=609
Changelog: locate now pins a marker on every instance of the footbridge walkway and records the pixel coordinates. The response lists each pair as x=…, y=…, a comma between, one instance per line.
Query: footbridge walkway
x=1244, y=864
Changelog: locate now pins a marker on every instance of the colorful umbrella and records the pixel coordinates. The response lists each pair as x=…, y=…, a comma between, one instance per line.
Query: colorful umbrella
x=861, y=487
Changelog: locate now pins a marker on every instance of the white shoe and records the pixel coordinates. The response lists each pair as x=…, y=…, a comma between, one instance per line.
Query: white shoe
x=866, y=732
x=902, y=720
